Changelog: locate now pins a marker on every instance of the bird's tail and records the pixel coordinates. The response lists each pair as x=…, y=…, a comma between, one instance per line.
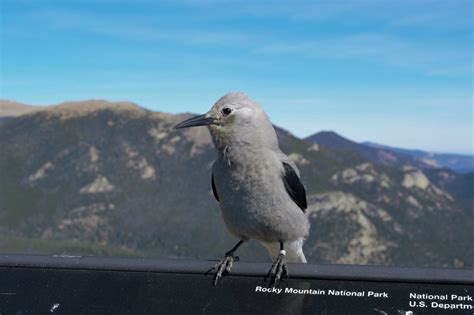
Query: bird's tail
x=294, y=250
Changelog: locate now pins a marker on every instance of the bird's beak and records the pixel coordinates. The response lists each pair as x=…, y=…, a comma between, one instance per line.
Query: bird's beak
x=201, y=120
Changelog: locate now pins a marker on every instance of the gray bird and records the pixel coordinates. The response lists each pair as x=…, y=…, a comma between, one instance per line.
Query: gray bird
x=257, y=186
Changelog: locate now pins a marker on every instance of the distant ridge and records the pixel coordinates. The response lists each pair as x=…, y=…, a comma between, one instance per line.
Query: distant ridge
x=394, y=156
x=12, y=109
x=331, y=139
x=461, y=163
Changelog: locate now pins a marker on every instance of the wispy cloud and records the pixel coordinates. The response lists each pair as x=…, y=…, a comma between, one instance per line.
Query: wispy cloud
x=380, y=48
x=438, y=14
x=135, y=28
x=453, y=71
x=425, y=13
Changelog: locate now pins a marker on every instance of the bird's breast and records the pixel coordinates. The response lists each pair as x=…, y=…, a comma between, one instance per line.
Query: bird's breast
x=253, y=199
x=247, y=173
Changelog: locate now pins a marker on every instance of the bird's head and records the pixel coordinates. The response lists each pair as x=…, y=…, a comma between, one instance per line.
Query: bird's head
x=235, y=119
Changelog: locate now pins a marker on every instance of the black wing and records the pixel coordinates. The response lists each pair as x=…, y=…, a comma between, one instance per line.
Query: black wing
x=214, y=190
x=294, y=187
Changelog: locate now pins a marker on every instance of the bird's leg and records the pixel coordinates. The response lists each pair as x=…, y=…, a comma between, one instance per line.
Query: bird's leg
x=225, y=265
x=279, y=268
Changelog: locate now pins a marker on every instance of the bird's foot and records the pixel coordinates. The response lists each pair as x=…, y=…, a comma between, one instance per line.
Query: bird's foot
x=278, y=270
x=223, y=267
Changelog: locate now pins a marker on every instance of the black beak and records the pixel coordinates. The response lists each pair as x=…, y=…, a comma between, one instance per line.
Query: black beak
x=200, y=120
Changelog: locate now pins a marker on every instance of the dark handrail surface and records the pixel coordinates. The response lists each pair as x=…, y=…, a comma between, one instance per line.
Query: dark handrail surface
x=241, y=268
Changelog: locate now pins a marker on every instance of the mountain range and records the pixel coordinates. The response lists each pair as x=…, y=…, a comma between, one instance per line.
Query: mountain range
x=98, y=177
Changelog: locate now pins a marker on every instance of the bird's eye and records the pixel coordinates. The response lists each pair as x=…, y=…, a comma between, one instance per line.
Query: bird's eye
x=226, y=111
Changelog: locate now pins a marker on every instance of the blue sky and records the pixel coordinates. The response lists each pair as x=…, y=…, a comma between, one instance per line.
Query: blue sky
x=393, y=72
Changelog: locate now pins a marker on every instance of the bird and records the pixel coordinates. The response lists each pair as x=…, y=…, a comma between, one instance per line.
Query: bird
x=258, y=187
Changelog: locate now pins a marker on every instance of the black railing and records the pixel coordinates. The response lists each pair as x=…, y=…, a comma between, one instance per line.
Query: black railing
x=33, y=284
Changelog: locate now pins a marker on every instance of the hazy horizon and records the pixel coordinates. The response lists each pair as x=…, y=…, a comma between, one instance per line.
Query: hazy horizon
x=394, y=73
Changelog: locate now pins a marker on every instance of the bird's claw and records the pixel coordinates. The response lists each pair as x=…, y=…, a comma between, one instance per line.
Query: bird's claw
x=223, y=267
x=278, y=271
